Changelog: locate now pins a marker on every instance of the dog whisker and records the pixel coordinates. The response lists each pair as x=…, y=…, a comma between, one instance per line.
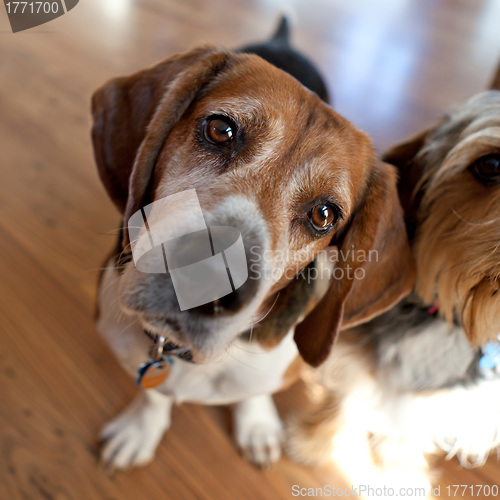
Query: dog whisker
x=250, y=334
x=268, y=312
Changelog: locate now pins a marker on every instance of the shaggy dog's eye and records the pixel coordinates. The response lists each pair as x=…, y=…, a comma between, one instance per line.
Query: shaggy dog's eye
x=219, y=130
x=323, y=216
x=487, y=169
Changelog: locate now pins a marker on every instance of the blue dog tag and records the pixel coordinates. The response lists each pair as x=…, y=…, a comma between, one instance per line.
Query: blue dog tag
x=491, y=356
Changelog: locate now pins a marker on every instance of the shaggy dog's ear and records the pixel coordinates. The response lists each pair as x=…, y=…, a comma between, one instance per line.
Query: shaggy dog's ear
x=402, y=156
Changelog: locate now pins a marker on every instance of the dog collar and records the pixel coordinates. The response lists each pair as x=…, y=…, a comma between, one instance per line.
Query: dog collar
x=433, y=309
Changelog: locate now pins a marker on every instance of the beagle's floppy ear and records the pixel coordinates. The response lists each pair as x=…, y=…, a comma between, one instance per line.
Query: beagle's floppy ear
x=374, y=269
x=133, y=115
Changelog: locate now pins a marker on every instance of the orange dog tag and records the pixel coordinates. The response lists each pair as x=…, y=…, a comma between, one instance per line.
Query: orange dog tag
x=153, y=373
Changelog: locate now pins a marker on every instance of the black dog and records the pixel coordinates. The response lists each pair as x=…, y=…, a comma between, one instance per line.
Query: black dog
x=279, y=52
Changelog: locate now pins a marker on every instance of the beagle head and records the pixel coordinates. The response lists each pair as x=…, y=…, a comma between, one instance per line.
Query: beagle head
x=267, y=157
x=450, y=188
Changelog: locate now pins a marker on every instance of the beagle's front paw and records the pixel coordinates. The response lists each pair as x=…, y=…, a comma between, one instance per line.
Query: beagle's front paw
x=131, y=439
x=258, y=430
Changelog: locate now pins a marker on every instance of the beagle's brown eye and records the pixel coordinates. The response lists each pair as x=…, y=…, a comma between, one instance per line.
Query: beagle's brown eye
x=487, y=169
x=322, y=217
x=219, y=130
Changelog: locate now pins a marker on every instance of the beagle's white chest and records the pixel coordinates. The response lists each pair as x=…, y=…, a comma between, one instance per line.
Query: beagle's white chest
x=246, y=369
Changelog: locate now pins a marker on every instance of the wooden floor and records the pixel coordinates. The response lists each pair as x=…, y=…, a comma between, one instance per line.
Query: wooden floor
x=392, y=66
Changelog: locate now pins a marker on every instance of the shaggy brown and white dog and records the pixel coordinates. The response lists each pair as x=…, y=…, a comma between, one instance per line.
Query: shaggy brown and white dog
x=422, y=378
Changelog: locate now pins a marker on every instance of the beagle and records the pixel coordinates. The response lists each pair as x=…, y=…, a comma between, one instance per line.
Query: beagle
x=305, y=189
